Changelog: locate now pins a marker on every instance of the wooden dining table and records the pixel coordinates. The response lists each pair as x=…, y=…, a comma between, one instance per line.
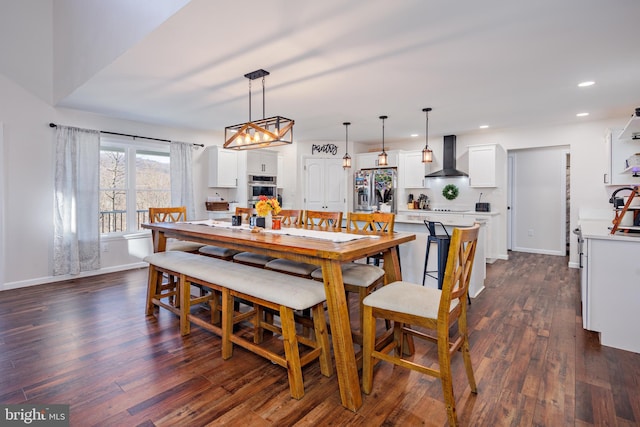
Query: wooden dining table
x=325, y=253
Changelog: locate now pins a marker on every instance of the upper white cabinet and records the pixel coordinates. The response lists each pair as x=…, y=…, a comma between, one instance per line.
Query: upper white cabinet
x=483, y=165
x=262, y=162
x=370, y=160
x=617, y=152
x=412, y=171
x=223, y=167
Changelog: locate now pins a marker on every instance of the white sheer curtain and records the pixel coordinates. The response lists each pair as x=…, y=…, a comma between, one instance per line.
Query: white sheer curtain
x=76, y=245
x=182, y=177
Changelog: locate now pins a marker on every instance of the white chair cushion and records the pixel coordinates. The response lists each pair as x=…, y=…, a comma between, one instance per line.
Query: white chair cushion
x=293, y=267
x=251, y=258
x=405, y=297
x=355, y=274
x=183, y=245
x=217, y=251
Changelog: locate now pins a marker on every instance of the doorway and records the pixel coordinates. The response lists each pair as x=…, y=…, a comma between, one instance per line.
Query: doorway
x=537, y=200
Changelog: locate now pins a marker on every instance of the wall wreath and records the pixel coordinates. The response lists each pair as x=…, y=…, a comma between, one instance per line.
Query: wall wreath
x=450, y=191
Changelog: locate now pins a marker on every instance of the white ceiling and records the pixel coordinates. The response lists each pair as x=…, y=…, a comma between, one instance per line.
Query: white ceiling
x=501, y=63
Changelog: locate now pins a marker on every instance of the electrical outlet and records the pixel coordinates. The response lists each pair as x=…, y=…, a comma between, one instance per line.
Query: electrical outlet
x=530, y=232
x=105, y=247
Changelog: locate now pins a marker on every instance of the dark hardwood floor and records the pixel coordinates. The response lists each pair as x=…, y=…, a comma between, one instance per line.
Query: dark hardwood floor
x=87, y=343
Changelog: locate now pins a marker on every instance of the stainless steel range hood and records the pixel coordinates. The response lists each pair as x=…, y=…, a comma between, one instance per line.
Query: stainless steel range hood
x=448, y=160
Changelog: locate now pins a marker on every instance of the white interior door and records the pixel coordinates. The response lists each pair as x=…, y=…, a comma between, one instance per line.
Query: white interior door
x=324, y=184
x=335, y=192
x=314, y=184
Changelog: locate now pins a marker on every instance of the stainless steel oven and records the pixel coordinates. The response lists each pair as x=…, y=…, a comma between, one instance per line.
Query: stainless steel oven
x=261, y=186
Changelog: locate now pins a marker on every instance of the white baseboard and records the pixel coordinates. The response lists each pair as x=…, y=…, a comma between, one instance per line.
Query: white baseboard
x=62, y=278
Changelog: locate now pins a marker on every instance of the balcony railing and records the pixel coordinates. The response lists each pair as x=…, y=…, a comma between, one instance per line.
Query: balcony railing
x=116, y=221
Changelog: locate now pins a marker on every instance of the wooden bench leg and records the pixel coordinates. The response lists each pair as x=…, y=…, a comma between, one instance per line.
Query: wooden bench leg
x=227, y=323
x=185, y=305
x=291, y=351
x=152, y=287
x=322, y=340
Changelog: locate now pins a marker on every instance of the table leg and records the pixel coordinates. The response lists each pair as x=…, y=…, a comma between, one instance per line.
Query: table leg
x=346, y=368
x=159, y=241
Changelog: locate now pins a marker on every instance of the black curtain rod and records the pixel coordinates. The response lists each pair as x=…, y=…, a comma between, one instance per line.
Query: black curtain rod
x=53, y=125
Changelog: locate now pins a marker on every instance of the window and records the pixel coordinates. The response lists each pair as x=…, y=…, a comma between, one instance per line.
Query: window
x=133, y=176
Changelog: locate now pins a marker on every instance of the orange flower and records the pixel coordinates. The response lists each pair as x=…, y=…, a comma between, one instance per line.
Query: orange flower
x=266, y=206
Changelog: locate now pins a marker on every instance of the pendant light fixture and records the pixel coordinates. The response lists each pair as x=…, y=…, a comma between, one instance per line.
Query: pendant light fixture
x=269, y=132
x=346, y=160
x=427, y=154
x=382, y=157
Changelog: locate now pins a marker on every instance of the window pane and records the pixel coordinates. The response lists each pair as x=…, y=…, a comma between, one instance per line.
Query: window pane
x=113, y=211
x=152, y=172
x=112, y=168
x=153, y=183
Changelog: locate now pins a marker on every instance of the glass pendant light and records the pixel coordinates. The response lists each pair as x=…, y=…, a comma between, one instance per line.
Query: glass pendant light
x=382, y=157
x=427, y=154
x=346, y=160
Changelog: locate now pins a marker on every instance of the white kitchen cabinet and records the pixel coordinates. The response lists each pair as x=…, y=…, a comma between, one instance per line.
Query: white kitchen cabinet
x=612, y=300
x=483, y=163
x=617, y=152
x=411, y=171
x=223, y=167
x=262, y=162
x=325, y=184
x=370, y=160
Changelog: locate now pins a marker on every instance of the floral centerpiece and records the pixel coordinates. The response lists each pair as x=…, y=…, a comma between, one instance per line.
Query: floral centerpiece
x=266, y=206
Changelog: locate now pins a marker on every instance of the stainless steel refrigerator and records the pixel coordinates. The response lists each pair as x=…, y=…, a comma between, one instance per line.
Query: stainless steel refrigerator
x=375, y=189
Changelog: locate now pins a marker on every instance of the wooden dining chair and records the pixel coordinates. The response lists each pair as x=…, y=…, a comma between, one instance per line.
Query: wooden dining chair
x=163, y=284
x=174, y=214
x=331, y=220
x=226, y=253
x=291, y=217
x=409, y=305
x=362, y=279
x=250, y=258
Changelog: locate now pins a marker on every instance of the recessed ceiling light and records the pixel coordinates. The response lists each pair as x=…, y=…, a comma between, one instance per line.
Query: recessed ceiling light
x=586, y=84
x=413, y=135
x=484, y=126
x=582, y=114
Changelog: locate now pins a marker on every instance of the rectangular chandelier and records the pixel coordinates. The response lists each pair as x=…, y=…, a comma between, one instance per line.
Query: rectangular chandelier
x=262, y=133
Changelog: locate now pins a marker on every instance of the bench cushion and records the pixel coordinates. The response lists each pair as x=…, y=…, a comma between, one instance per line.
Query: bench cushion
x=182, y=245
x=217, y=251
x=252, y=258
x=356, y=274
x=282, y=289
x=294, y=267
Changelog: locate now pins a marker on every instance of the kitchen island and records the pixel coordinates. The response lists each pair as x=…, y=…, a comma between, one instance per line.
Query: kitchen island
x=412, y=254
x=610, y=284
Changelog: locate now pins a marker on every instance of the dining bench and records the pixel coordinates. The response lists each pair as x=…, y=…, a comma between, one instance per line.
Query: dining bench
x=264, y=289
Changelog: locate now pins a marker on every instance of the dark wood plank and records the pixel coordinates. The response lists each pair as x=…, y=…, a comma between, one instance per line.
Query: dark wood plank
x=87, y=342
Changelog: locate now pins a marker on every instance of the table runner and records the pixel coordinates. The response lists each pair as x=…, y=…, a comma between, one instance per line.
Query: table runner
x=334, y=236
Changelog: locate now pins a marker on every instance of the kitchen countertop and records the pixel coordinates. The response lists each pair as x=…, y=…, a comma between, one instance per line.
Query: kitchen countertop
x=600, y=229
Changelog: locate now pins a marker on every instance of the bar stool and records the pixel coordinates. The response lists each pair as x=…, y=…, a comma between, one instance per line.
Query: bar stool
x=442, y=240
